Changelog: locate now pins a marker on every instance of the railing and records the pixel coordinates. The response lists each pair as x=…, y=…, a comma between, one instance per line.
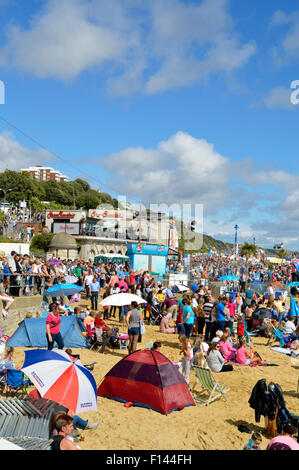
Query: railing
x=26, y=284
x=114, y=234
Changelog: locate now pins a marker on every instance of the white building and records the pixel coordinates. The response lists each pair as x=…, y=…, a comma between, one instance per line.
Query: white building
x=45, y=173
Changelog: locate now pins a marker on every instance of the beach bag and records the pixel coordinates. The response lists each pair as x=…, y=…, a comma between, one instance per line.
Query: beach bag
x=142, y=328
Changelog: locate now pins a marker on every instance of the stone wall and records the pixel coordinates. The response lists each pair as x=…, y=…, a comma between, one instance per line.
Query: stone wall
x=21, y=307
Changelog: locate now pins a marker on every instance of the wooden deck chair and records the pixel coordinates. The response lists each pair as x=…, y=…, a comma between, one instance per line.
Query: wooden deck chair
x=209, y=385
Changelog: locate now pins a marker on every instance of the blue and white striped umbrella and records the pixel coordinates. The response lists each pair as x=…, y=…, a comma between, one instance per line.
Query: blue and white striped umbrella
x=59, y=290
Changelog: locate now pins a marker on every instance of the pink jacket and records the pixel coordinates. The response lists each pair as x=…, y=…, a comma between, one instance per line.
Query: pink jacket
x=227, y=350
x=232, y=308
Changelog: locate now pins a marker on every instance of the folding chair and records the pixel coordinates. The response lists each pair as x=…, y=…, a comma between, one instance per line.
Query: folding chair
x=17, y=382
x=98, y=339
x=277, y=335
x=209, y=385
x=248, y=334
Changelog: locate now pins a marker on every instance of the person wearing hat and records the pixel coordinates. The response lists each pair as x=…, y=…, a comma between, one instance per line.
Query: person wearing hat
x=53, y=323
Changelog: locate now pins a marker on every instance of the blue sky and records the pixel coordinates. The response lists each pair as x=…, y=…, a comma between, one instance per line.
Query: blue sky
x=165, y=102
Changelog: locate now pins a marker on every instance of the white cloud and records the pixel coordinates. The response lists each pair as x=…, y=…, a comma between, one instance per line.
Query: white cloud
x=277, y=98
x=14, y=156
x=146, y=46
x=287, y=50
x=181, y=170
x=62, y=41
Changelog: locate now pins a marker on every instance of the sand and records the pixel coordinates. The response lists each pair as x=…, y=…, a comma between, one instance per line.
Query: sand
x=213, y=427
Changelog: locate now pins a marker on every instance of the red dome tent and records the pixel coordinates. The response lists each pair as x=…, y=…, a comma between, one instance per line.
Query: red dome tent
x=148, y=379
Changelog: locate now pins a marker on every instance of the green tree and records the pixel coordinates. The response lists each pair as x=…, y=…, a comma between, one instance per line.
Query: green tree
x=20, y=183
x=41, y=242
x=282, y=253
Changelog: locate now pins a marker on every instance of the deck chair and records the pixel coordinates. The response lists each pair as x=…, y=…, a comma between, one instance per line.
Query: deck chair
x=208, y=384
x=281, y=337
x=17, y=381
x=248, y=334
x=98, y=339
x=277, y=335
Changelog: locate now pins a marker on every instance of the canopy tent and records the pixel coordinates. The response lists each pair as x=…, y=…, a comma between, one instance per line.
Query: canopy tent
x=108, y=257
x=257, y=286
x=148, y=379
x=32, y=333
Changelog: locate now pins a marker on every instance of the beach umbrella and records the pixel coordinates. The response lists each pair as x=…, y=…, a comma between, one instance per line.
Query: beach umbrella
x=59, y=290
x=71, y=279
x=229, y=278
x=261, y=313
x=54, y=262
x=293, y=284
x=179, y=288
x=61, y=378
x=258, y=286
x=122, y=299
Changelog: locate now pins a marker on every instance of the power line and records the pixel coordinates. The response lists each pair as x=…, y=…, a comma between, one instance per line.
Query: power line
x=53, y=153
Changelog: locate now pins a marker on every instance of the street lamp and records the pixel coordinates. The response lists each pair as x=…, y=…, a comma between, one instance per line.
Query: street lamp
x=236, y=240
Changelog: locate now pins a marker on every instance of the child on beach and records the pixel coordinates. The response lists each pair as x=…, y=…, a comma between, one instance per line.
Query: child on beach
x=240, y=328
x=186, y=350
x=254, y=443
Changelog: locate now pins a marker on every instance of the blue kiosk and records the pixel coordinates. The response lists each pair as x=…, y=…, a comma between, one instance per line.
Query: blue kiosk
x=152, y=258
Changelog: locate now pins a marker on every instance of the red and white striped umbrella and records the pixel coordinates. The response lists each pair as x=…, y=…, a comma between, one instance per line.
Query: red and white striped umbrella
x=61, y=378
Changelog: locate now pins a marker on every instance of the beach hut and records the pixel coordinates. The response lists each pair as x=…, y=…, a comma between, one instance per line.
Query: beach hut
x=31, y=333
x=148, y=379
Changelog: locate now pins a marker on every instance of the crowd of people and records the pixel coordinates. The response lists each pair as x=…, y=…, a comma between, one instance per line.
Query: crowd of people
x=212, y=331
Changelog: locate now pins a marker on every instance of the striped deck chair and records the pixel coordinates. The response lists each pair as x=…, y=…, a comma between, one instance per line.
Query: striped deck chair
x=209, y=385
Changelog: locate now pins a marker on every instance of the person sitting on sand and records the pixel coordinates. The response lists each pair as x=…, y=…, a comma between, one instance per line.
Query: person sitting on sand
x=285, y=441
x=200, y=349
x=215, y=360
x=164, y=325
x=64, y=427
x=254, y=443
x=226, y=348
x=244, y=356
x=156, y=346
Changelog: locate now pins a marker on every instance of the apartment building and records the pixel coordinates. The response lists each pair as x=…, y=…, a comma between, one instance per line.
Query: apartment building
x=45, y=173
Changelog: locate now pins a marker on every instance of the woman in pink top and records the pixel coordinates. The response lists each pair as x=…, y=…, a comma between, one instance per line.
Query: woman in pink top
x=113, y=280
x=226, y=349
x=286, y=441
x=232, y=311
x=245, y=357
x=53, y=322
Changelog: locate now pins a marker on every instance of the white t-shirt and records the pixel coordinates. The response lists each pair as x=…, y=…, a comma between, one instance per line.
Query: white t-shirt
x=289, y=327
x=88, y=279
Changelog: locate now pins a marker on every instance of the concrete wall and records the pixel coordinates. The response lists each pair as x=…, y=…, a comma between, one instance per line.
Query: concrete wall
x=21, y=307
x=20, y=248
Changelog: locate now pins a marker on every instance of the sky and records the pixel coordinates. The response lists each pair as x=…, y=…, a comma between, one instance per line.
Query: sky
x=171, y=102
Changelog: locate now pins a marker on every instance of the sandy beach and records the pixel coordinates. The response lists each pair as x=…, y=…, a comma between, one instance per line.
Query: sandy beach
x=194, y=428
